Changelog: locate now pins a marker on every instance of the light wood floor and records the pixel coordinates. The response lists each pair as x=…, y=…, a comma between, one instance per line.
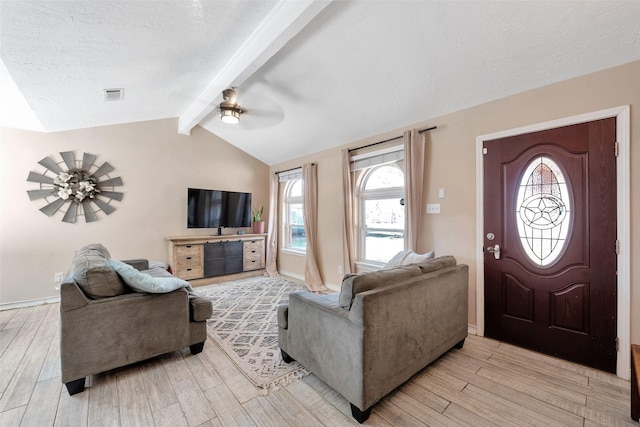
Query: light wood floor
x=486, y=383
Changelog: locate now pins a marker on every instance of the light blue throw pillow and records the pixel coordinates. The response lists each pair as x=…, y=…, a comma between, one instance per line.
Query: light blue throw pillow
x=142, y=282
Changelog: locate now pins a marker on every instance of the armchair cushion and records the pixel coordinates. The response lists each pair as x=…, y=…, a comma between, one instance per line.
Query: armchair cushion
x=88, y=257
x=142, y=282
x=353, y=284
x=103, y=282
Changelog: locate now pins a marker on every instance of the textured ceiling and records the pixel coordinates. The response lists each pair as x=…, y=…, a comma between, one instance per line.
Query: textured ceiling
x=358, y=68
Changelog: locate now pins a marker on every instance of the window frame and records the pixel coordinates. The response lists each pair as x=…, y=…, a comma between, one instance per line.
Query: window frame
x=362, y=196
x=287, y=202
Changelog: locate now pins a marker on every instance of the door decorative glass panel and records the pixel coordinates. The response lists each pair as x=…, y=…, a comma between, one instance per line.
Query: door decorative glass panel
x=543, y=211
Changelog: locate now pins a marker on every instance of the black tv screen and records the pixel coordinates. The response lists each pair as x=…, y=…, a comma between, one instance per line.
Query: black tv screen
x=216, y=208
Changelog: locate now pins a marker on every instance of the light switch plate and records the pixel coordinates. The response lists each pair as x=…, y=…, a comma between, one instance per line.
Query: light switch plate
x=433, y=208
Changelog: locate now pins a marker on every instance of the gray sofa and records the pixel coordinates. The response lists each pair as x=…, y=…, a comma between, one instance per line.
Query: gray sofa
x=380, y=330
x=104, y=324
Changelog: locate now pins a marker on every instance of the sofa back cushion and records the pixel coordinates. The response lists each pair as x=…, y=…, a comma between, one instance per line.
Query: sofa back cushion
x=353, y=284
x=437, y=263
x=90, y=271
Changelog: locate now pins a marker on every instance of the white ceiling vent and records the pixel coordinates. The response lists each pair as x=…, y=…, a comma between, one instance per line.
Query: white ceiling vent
x=114, y=94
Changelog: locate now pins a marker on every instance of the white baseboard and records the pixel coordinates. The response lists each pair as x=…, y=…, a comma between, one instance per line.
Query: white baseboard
x=330, y=286
x=28, y=303
x=471, y=330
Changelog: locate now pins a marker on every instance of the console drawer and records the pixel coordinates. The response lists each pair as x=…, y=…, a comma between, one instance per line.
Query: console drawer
x=252, y=263
x=188, y=250
x=189, y=261
x=189, y=273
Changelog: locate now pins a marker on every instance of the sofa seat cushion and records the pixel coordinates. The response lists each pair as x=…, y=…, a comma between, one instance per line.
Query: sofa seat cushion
x=353, y=284
x=142, y=282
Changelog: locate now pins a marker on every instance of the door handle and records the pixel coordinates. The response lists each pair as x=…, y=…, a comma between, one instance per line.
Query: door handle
x=495, y=250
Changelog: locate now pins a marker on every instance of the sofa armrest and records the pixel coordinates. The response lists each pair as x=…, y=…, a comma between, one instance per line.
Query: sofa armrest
x=322, y=338
x=200, y=309
x=283, y=316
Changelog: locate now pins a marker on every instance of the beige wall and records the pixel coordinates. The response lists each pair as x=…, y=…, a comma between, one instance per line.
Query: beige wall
x=156, y=164
x=451, y=165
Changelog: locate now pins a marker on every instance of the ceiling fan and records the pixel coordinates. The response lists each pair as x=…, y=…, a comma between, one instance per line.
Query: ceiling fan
x=229, y=109
x=263, y=113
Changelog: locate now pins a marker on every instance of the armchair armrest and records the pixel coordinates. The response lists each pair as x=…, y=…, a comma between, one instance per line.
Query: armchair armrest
x=200, y=309
x=138, y=264
x=72, y=297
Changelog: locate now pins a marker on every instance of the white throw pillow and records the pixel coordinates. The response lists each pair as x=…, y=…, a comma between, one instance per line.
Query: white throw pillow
x=407, y=257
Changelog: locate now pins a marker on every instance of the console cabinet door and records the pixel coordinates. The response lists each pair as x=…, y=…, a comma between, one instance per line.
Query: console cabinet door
x=222, y=258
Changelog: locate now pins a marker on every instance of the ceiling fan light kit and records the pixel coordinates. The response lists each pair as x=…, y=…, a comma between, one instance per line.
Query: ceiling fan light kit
x=229, y=110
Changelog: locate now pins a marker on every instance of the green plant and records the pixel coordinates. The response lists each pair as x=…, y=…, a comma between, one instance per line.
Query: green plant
x=257, y=214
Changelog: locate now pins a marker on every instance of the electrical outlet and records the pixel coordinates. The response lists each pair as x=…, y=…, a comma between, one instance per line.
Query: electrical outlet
x=58, y=277
x=433, y=208
x=339, y=269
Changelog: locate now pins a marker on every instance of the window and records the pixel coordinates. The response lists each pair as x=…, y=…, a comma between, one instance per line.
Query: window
x=381, y=213
x=294, y=236
x=543, y=211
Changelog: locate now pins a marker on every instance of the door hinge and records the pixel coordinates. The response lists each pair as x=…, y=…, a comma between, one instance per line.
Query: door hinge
x=616, y=149
x=617, y=344
x=484, y=150
x=617, y=247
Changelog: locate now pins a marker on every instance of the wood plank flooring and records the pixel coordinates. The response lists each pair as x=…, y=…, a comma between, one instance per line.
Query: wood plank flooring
x=487, y=383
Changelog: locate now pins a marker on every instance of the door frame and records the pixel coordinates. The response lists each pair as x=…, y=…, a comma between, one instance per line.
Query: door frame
x=623, y=197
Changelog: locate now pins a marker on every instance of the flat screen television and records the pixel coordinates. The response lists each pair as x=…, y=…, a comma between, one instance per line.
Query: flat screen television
x=218, y=209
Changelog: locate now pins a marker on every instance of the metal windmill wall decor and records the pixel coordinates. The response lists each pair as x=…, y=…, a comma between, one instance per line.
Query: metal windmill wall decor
x=82, y=186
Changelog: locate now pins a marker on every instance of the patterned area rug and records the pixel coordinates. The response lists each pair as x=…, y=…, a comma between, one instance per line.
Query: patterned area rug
x=244, y=325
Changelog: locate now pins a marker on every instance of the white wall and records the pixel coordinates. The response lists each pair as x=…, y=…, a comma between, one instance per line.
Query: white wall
x=156, y=164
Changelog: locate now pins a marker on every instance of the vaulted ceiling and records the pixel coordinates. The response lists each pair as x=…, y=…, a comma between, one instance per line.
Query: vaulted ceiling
x=310, y=74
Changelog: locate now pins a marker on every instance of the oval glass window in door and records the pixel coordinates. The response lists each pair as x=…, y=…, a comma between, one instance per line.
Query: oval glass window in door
x=543, y=211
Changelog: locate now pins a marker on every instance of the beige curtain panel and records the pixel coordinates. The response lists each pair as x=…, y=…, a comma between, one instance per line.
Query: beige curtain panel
x=272, y=236
x=414, y=152
x=348, y=230
x=310, y=212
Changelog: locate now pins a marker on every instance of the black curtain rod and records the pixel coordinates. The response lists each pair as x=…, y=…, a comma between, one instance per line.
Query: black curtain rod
x=289, y=170
x=390, y=139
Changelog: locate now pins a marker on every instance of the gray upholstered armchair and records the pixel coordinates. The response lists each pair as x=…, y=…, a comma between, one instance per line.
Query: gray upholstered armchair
x=105, y=325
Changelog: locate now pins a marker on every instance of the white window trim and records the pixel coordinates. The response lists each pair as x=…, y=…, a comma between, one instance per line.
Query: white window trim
x=286, y=248
x=375, y=194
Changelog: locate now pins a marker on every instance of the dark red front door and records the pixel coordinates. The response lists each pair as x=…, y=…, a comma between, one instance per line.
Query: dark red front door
x=550, y=206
